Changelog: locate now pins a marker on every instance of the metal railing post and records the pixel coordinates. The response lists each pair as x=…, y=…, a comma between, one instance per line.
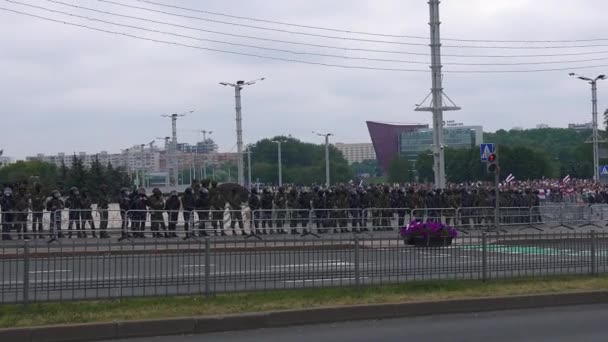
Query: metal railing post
x=26, y=273
x=207, y=266
x=484, y=256
x=357, y=271
x=593, y=253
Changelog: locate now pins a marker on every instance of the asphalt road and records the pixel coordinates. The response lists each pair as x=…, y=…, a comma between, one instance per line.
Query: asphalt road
x=577, y=323
x=102, y=275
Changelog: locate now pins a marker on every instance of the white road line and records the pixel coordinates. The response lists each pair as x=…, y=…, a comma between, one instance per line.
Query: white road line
x=50, y=271
x=315, y=265
x=186, y=266
x=320, y=280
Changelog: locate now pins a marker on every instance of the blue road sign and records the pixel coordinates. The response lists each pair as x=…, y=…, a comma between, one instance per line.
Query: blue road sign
x=486, y=150
x=604, y=171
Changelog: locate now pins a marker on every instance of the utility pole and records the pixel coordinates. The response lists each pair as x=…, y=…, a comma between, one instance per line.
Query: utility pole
x=280, y=166
x=437, y=107
x=204, y=167
x=595, y=138
x=326, y=135
x=238, y=86
x=173, y=164
x=249, y=168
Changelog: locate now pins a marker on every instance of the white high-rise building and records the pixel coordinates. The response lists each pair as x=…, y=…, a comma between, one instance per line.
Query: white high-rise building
x=356, y=153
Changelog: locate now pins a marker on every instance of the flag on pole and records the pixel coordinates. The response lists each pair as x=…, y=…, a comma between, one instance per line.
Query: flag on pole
x=566, y=179
x=1, y=152
x=510, y=178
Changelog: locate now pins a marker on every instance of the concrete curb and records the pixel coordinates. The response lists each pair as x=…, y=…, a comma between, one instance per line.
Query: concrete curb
x=202, y=325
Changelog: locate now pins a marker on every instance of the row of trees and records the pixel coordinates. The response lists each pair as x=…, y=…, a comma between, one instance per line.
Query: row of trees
x=529, y=154
x=302, y=163
x=63, y=178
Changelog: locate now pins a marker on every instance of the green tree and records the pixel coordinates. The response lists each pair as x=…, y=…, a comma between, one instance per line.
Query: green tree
x=400, y=171
x=302, y=163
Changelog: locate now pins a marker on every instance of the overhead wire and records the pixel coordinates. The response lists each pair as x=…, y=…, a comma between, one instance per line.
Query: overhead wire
x=281, y=58
x=325, y=46
x=156, y=3
x=350, y=38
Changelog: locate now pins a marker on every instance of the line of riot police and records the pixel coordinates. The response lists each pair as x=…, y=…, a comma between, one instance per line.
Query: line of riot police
x=282, y=210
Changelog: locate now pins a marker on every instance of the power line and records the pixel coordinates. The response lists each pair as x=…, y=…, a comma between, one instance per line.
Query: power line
x=215, y=41
x=270, y=49
x=287, y=59
x=205, y=48
x=353, y=39
x=336, y=47
x=364, y=33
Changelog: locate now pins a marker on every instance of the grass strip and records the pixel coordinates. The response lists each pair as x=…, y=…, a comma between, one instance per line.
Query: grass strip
x=246, y=302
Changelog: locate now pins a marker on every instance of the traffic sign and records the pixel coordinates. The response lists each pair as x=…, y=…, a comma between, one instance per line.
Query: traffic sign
x=604, y=170
x=486, y=150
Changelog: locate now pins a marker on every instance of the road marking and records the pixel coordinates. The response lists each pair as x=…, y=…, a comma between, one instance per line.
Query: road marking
x=314, y=265
x=320, y=280
x=185, y=266
x=50, y=271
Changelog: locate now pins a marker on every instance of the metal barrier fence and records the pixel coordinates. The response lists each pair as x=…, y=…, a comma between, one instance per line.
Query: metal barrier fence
x=137, y=224
x=97, y=269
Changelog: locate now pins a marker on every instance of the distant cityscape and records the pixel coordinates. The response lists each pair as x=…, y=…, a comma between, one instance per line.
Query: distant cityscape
x=388, y=141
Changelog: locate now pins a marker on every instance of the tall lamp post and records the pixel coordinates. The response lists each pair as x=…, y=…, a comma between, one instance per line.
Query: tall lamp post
x=173, y=165
x=326, y=135
x=238, y=86
x=278, y=142
x=595, y=139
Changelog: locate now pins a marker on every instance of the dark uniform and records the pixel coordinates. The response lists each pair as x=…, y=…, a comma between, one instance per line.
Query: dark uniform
x=203, y=205
x=38, y=200
x=172, y=206
x=218, y=206
x=139, y=207
x=189, y=204
x=280, y=204
x=266, y=204
x=157, y=220
x=74, y=204
x=236, y=215
x=254, y=205
x=293, y=206
x=55, y=205
x=22, y=207
x=87, y=213
x=304, y=207
x=124, y=203
x=8, y=216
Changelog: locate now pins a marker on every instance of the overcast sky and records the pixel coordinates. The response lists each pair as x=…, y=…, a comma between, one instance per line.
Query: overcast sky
x=69, y=89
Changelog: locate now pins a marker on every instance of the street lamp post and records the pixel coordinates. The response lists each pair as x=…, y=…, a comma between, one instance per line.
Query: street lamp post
x=238, y=86
x=249, y=168
x=326, y=135
x=595, y=139
x=173, y=167
x=280, y=162
x=204, y=168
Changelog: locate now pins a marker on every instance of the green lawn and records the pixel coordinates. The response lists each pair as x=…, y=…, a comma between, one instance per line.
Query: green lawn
x=151, y=308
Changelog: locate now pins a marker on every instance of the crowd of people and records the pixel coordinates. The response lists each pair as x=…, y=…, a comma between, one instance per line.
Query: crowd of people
x=270, y=209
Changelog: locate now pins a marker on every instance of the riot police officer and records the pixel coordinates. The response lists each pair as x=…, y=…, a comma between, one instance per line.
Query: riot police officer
x=124, y=203
x=55, y=205
x=156, y=203
x=38, y=200
x=189, y=205
x=74, y=204
x=87, y=213
x=172, y=206
x=203, y=206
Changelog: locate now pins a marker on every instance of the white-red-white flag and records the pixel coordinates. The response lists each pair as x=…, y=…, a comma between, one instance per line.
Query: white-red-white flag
x=510, y=178
x=566, y=179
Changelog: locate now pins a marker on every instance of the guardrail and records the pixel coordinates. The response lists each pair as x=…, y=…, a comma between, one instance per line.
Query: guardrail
x=138, y=224
x=98, y=269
